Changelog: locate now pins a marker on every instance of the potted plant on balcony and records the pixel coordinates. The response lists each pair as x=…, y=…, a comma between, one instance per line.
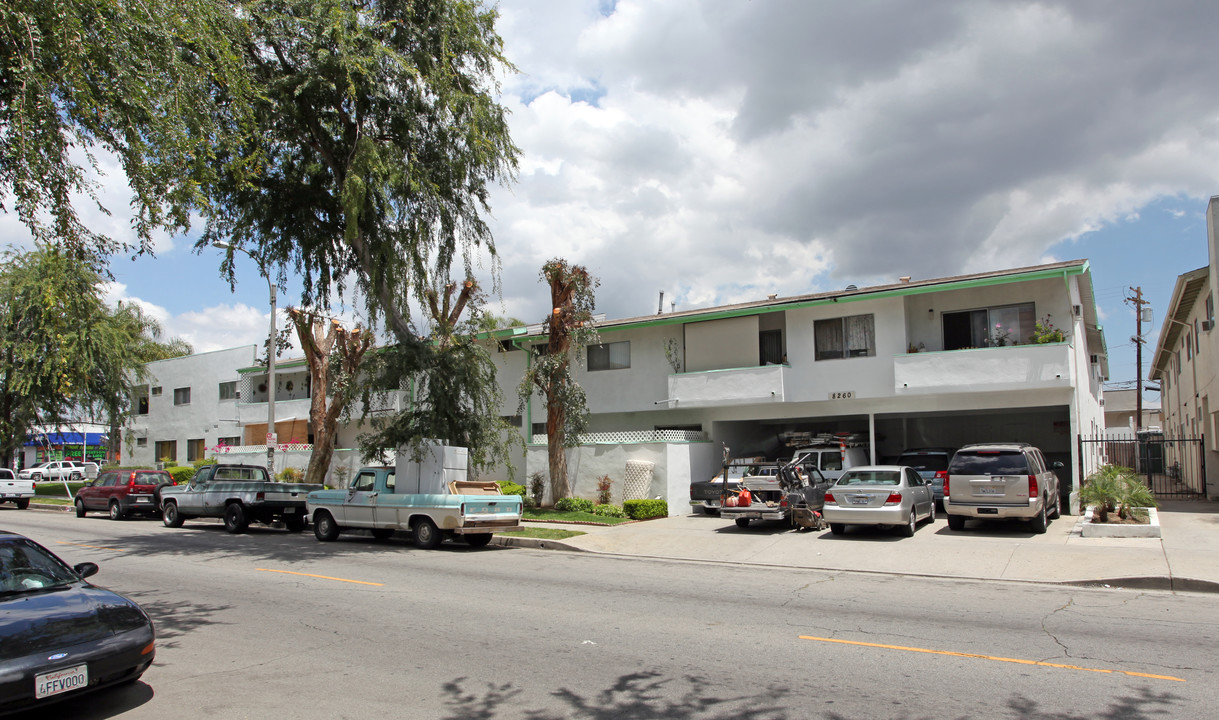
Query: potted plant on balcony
x=1045, y=332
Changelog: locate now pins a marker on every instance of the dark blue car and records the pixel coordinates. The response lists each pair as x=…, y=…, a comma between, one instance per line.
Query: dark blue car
x=61, y=636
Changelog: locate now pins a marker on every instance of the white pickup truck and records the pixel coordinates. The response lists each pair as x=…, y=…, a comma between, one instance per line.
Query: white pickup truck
x=15, y=490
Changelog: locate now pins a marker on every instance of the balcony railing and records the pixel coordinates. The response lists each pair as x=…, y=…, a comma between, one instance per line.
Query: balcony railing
x=733, y=386
x=1014, y=367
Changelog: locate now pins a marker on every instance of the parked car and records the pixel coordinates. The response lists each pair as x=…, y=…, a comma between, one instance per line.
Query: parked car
x=53, y=470
x=62, y=636
x=1001, y=480
x=124, y=492
x=931, y=464
x=893, y=495
x=16, y=490
x=832, y=459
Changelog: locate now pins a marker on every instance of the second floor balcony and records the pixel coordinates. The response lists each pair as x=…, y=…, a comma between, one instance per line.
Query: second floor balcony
x=732, y=386
x=1017, y=367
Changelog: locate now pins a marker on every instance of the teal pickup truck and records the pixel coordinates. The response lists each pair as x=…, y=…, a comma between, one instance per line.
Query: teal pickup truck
x=377, y=500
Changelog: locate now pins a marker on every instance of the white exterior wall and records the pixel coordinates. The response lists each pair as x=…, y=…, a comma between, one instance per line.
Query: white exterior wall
x=206, y=417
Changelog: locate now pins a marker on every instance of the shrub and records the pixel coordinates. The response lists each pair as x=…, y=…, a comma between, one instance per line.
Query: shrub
x=574, y=504
x=203, y=461
x=290, y=475
x=508, y=487
x=644, y=509
x=168, y=462
x=1045, y=332
x=603, y=489
x=181, y=475
x=607, y=510
x=1115, y=488
x=537, y=487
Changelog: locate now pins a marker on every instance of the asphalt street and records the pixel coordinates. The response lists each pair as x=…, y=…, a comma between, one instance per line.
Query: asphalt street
x=270, y=624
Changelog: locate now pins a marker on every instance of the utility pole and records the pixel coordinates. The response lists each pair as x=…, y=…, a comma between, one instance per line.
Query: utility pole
x=1138, y=303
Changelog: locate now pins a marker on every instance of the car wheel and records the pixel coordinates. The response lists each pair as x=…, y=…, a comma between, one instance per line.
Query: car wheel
x=1055, y=510
x=931, y=515
x=235, y=520
x=116, y=510
x=838, y=528
x=23, y=503
x=295, y=523
x=170, y=515
x=956, y=522
x=80, y=507
x=156, y=493
x=427, y=535
x=478, y=540
x=382, y=533
x=1038, y=523
x=325, y=528
x=907, y=530
x=74, y=477
x=742, y=522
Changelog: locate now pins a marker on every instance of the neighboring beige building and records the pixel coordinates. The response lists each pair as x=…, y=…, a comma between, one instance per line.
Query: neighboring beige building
x=1120, y=409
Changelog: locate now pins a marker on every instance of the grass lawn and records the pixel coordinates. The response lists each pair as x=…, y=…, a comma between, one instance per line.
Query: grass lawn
x=45, y=500
x=557, y=516
x=543, y=533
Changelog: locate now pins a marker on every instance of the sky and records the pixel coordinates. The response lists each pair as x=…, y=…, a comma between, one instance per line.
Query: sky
x=721, y=151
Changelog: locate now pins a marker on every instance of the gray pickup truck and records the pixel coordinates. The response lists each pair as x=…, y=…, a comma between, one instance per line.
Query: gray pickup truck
x=240, y=494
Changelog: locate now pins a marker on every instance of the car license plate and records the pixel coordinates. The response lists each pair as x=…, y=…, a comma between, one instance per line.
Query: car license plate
x=989, y=490
x=859, y=499
x=141, y=500
x=61, y=681
x=289, y=511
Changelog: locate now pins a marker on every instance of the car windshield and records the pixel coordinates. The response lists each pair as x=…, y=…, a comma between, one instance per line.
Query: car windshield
x=989, y=462
x=871, y=477
x=27, y=567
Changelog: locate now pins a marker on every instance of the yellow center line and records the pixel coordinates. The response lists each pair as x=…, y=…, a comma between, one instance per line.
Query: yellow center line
x=991, y=657
x=323, y=577
x=95, y=547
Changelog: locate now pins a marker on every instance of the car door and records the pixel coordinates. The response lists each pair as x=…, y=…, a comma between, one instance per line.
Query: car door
x=361, y=500
x=93, y=495
x=920, y=491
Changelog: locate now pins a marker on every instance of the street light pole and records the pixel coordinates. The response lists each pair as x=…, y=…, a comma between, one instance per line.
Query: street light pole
x=271, y=439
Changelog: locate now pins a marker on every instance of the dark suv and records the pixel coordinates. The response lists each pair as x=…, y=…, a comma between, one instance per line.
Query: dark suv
x=931, y=464
x=1000, y=480
x=123, y=492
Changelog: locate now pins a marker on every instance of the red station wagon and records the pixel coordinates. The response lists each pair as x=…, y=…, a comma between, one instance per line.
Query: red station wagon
x=123, y=492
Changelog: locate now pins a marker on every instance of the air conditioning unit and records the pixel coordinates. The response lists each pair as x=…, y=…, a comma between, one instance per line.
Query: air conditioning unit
x=1207, y=325
x=1078, y=310
x=1095, y=359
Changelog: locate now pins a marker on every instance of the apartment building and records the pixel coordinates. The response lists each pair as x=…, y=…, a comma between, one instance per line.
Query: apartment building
x=939, y=362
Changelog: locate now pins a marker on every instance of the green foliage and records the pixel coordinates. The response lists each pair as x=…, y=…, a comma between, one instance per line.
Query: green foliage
x=1045, y=332
x=644, y=509
x=181, y=474
x=608, y=510
x=604, y=487
x=289, y=475
x=203, y=462
x=55, y=489
x=507, y=487
x=1115, y=488
x=168, y=462
x=574, y=504
x=134, y=78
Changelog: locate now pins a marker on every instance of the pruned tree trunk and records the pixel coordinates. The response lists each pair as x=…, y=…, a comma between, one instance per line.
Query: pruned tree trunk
x=556, y=452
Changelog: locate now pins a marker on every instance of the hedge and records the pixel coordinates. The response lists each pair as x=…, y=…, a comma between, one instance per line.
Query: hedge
x=644, y=509
x=507, y=487
x=574, y=504
x=181, y=474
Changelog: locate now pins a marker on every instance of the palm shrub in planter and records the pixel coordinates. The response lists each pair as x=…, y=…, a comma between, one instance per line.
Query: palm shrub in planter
x=1114, y=488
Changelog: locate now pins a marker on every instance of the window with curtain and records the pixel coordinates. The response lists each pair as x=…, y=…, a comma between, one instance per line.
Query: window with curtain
x=853, y=336
x=195, y=450
x=609, y=356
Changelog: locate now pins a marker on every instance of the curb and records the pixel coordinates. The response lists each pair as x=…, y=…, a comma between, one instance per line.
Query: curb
x=535, y=543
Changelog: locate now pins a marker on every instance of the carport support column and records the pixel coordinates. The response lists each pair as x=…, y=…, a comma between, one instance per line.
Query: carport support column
x=872, y=438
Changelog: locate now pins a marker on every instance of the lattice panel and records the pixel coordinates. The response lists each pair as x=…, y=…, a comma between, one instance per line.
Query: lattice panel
x=627, y=437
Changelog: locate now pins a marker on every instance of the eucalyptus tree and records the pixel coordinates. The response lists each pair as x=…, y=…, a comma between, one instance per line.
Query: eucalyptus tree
x=379, y=140
x=62, y=351
x=569, y=328
x=136, y=80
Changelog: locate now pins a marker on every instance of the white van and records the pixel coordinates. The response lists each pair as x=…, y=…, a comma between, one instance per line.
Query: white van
x=833, y=460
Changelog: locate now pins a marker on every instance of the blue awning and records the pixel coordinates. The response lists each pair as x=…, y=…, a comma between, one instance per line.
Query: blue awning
x=65, y=438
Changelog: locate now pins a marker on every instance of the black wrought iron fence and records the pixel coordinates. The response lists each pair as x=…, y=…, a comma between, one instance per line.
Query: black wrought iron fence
x=1172, y=467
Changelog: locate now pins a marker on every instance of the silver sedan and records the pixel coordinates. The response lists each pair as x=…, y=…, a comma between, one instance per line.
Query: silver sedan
x=891, y=495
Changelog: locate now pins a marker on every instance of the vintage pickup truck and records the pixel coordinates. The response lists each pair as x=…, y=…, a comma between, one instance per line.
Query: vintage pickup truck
x=431, y=505
x=706, y=495
x=238, y=493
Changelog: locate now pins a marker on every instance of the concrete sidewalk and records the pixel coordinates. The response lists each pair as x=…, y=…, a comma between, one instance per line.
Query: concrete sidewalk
x=1184, y=558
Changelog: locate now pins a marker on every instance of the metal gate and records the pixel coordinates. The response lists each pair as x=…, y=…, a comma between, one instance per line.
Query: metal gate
x=1174, y=468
